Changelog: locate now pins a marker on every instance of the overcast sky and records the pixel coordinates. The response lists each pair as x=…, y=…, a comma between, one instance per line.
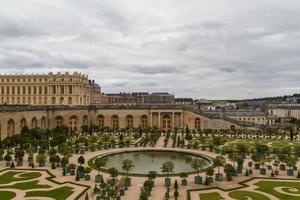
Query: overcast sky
x=212, y=49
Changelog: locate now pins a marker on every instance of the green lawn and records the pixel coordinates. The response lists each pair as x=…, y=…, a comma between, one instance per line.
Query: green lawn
x=268, y=187
x=61, y=193
x=26, y=185
x=210, y=196
x=6, y=195
x=8, y=177
x=245, y=195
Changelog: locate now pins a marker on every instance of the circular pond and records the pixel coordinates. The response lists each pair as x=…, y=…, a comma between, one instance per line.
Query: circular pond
x=152, y=160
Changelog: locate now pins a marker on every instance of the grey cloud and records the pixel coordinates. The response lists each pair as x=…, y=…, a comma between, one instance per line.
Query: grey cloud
x=218, y=49
x=155, y=69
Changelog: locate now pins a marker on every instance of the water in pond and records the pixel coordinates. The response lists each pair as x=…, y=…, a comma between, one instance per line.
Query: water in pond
x=152, y=161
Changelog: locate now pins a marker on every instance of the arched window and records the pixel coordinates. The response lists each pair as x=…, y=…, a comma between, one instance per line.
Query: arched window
x=45, y=100
x=197, y=123
x=144, y=121
x=166, y=122
x=23, y=123
x=10, y=128
x=40, y=90
x=115, y=121
x=34, y=123
x=129, y=121
x=85, y=120
x=232, y=127
x=29, y=100
x=13, y=90
x=73, y=123
x=59, y=120
x=61, y=100
x=43, y=122
x=100, y=121
x=70, y=100
x=53, y=100
x=45, y=90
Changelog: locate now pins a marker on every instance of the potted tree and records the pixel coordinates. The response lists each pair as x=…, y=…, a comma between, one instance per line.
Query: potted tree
x=250, y=165
x=114, y=173
x=64, y=162
x=229, y=170
x=52, y=160
x=275, y=164
x=219, y=161
x=8, y=159
x=41, y=159
x=127, y=165
x=121, y=185
x=151, y=177
x=197, y=165
x=291, y=163
x=167, y=168
x=262, y=170
x=282, y=158
x=209, y=174
x=72, y=168
x=99, y=163
x=80, y=169
x=87, y=171
x=19, y=154
x=183, y=176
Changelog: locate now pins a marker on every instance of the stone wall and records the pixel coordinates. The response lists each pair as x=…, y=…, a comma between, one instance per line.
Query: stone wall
x=12, y=118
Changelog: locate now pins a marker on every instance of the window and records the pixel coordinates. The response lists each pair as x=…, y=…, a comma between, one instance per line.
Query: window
x=129, y=121
x=197, y=123
x=100, y=121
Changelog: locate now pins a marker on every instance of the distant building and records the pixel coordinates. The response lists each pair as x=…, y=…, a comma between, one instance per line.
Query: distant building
x=124, y=98
x=250, y=116
x=284, y=110
x=159, y=98
x=138, y=98
x=48, y=89
x=293, y=100
x=184, y=101
x=95, y=92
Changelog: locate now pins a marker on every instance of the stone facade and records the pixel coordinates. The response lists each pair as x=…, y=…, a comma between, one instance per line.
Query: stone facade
x=166, y=117
x=48, y=89
x=285, y=110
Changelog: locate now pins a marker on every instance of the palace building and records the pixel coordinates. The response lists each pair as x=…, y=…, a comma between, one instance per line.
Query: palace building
x=49, y=89
x=51, y=100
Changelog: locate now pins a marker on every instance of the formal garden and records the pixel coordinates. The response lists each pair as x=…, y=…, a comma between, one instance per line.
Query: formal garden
x=134, y=163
